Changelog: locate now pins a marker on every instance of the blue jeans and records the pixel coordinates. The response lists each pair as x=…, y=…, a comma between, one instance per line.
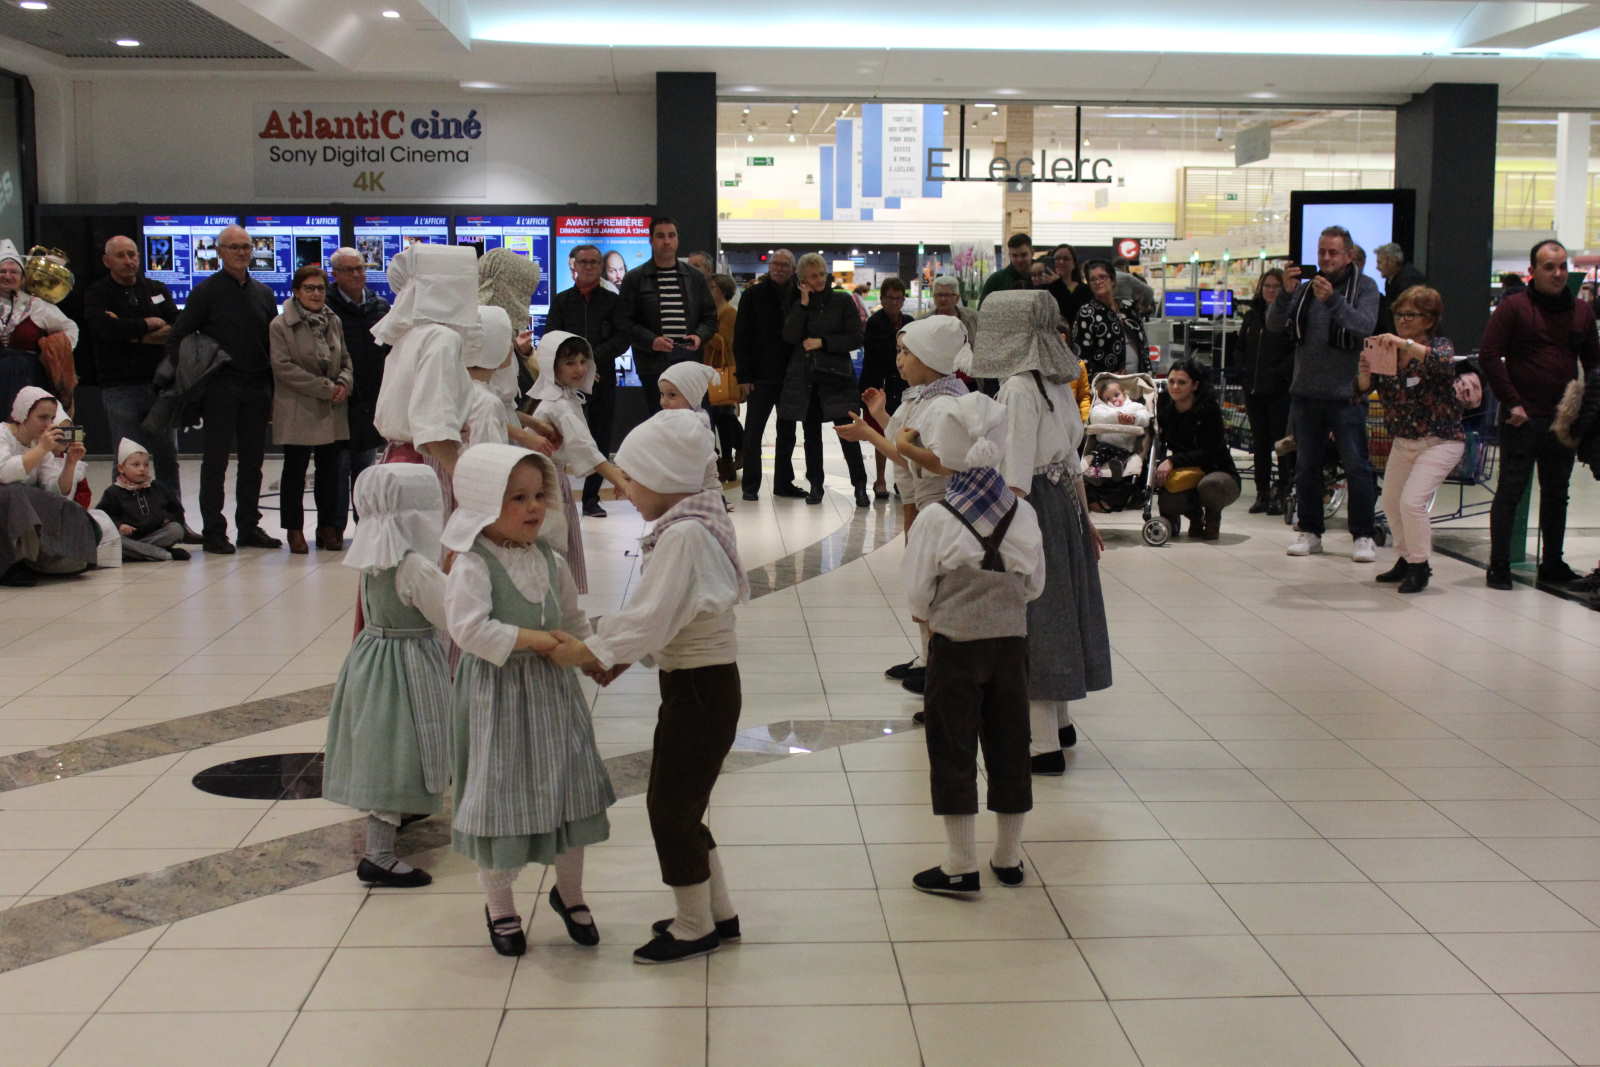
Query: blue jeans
x=1312, y=421
x=126, y=406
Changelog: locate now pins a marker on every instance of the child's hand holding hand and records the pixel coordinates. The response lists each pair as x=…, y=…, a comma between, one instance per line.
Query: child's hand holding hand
x=540, y=641
x=570, y=652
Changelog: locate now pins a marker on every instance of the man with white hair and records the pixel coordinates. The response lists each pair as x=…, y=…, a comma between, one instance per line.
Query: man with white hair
x=128, y=317
x=359, y=310
x=947, y=301
x=234, y=310
x=762, y=356
x=1398, y=275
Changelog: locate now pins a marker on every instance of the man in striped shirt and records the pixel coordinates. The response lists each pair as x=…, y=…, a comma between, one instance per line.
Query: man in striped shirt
x=666, y=310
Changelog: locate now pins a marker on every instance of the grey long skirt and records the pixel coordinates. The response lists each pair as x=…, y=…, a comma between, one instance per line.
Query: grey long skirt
x=46, y=530
x=1069, y=650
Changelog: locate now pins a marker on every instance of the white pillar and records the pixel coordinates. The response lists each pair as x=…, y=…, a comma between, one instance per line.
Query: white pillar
x=1572, y=179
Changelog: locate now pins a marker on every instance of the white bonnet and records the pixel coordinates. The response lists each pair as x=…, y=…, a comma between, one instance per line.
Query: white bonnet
x=495, y=343
x=479, y=484
x=402, y=510
x=940, y=341
x=966, y=432
x=668, y=452
x=127, y=448
x=692, y=380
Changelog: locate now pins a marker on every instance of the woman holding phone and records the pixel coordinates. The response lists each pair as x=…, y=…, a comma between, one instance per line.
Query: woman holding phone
x=824, y=328
x=1413, y=370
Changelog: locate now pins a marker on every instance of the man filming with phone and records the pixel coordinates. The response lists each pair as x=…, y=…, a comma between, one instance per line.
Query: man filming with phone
x=1330, y=311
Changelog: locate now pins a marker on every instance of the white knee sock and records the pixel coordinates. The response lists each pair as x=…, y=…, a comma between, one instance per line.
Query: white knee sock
x=1045, y=720
x=1008, y=842
x=693, y=920
x=497, y=887
x=721, y=905
x=569, y=882
x=961, y=834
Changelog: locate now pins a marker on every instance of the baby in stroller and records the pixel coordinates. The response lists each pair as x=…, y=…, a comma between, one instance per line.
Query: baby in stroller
x=1118, y=440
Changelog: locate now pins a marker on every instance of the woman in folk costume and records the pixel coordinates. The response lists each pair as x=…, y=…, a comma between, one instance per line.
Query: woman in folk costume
x=683, y=386
x=566, y=377
x=24, y=320
x=1069, y=651
x=530, y=786
x=388, y=746
x=41, y=528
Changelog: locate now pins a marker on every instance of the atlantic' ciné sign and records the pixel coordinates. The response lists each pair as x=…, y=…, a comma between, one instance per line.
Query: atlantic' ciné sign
x=392, y=149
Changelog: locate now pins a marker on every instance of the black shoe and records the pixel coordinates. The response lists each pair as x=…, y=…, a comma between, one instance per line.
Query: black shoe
x=668, y=949
x=585, y=934
x=1557, y=573
x=727, y=929
x=915, y=681
x=1008, y=875
x=407, y=820
x=1261, y=504
x=814, y=497
x=1589, y=583
x=1417, y=576
x=258, y=538
x=1051, y=763
x=1397, y=573
x=748, y=495
x=919, y=717
x=1068, y=735
x=218, y=545
x=190, y=537
x=863, y=502
x=177, y=553
x=1498, y=578
x=900, y=670
x=19, y=576
x=1275, y=504
x=791, y=491
x=593, y=510
x=372, y=874
x=507, y=944
x=935, y=881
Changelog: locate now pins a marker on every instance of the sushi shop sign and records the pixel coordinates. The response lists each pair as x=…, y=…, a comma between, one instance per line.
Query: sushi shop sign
x=343, y=151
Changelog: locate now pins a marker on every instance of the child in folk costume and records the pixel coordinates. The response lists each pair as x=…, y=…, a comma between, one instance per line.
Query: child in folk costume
x=682, y=616
x=490, y=418
x=928, y=352
x=683, y=387
x=149, y=520
x=530, y=786
x=1069, y=650
x=388, y=746
x=973, y=563
x=566, y=377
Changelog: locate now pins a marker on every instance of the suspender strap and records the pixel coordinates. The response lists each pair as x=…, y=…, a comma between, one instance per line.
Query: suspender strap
x=990, y=544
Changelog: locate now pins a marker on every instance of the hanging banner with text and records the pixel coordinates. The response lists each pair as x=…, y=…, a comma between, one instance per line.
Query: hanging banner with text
x=382, y=150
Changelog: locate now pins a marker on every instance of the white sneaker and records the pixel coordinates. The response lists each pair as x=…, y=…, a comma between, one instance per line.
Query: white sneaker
x=1365, y=551
x=1306, y=544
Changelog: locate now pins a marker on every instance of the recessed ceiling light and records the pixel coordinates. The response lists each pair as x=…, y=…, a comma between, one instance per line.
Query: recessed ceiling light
x=127, y=42
x=34, y=5
x=389, y=13
x=794, y=110
x=791, y=138
x=749, y=137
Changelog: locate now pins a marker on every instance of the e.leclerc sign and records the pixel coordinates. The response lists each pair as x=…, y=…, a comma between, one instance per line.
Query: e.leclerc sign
x=342, y=151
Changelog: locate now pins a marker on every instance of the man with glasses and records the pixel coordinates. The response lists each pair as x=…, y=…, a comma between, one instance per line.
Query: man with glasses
x=128, y=318
x=234, y=310
x=359, y=309
x=589, y=310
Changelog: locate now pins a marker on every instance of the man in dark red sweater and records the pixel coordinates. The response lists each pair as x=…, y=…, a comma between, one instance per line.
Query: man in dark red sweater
x=1531, y=350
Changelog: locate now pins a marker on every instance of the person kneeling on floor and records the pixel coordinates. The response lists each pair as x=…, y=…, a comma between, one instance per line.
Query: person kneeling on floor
x=971, y=567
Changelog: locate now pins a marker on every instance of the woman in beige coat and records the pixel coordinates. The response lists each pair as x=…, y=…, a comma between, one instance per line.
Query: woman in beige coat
x=310, y=414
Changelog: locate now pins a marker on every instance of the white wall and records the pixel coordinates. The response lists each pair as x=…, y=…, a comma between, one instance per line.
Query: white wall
x=190, y=139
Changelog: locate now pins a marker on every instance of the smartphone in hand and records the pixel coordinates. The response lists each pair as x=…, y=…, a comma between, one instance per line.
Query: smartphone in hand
x=1381, y=358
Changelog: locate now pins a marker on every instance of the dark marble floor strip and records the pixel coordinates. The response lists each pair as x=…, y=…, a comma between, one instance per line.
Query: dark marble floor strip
x=32, y=933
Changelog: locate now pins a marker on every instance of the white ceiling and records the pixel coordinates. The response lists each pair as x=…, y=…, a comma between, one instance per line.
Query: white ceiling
x=1376, y=52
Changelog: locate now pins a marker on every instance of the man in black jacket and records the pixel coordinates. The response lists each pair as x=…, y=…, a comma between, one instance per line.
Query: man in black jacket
x=128, y=317
x=665, y=311
x=359, y=309
x=761, y=358
x=589, y=310
x=234, y=310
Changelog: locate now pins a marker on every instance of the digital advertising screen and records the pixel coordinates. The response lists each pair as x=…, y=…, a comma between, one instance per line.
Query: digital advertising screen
x=1216, y=302
x=1180, y=304
x=285, y=243
x=379, y=238
x=624, y=243
x=180, y=251
x=1373, y=216
x=526, y=235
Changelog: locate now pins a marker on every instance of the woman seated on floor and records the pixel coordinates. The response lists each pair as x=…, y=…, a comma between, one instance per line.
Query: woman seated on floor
x=42, y=529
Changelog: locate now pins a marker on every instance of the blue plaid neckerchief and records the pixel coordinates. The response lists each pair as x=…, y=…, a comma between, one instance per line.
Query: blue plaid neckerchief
x=981, y=496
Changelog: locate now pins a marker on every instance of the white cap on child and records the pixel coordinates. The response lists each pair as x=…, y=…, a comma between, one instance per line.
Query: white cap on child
x=128, y=447
x=940, y=341
x=27, y=397
x=545, y=384
x=966, y=432
x=401, y=509
x=668, y=452
x=479, y=484
x=494, y=344
x=692, y=380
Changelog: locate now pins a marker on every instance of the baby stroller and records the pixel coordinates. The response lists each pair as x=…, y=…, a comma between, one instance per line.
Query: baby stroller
x=1113, y=475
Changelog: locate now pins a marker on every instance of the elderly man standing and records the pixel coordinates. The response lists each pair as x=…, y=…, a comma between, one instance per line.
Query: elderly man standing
x=1398, y=275
x=234, y=310
x=359, y=310
x=762, y=356
x=947, y=301
x=589, y=310
x=128, y=318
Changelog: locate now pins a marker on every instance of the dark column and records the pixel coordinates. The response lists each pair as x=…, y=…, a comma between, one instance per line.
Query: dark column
x=686, y=157
x=1444, y=148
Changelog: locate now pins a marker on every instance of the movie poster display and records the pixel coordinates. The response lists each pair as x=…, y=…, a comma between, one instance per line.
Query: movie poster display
x=180, y=251
x=526, y=235
x=282, y=244
x=379, y=238
x=624, y=243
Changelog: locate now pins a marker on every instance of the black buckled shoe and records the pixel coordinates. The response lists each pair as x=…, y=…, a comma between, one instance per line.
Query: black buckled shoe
x=506, y=934
x=1009, y=876
x=668, y=949
x=372, y=874
x=935, y=881
x=585, y=934
x=1397, y=573
x=1051, y=763
x=727, y=929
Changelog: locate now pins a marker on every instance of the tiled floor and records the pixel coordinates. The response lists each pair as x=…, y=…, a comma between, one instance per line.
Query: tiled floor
x=1312, y=823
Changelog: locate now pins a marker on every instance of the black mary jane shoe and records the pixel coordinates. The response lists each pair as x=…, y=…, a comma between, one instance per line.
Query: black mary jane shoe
x=669, y=949
x=1051, y=763
x=935, y=881
x=507, y=944
x=1395, y=574
x=1067, y=735
x=372, y=874
x=1009, y=876
x=727, y=929
x=585, y=934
